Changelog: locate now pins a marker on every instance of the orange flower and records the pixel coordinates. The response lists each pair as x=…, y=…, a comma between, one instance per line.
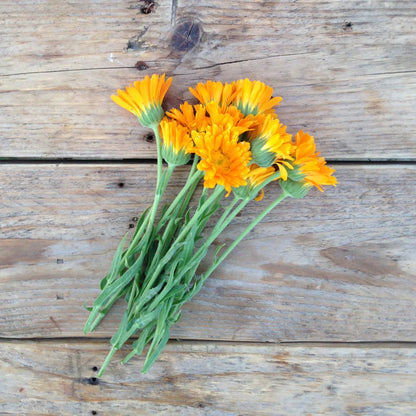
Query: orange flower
x=144, y=99
x=254, y=97
x=309, y=164
x=193, y=117
x=177, y=144
x=229, y=117
x=271, y=144
x=223, y=158
x=222, y=94
x=257, y=176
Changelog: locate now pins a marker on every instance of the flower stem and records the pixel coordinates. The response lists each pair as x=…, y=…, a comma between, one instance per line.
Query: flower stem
x=205, y=275
x=106, y=361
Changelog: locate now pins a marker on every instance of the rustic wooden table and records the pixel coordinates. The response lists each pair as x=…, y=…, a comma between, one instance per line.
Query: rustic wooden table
x=314, y=313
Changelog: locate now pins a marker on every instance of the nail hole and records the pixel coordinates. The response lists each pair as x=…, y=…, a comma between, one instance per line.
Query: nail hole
x=141, y=66
x=131, y=225
x=93, y=381
x=347, y=26
x=95, y=368
x=93, y=412
x=149, y=138
x=135, y=219
x=121, y=185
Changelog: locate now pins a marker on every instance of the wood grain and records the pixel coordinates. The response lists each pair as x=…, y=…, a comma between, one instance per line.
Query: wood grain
x=346, y=73
x=337, y=266
x=213, y=379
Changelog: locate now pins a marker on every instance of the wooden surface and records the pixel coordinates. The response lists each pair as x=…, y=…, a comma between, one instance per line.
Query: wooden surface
x=346, y=71
x=319, y=269
x=75, y=170
x=201, y=378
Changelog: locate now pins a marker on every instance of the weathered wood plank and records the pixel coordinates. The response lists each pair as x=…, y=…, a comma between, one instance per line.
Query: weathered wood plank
x=346, y=73
x=209, y=379
x=336, y=266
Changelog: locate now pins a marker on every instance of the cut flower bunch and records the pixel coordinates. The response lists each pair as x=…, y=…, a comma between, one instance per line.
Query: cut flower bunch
x=235, y=145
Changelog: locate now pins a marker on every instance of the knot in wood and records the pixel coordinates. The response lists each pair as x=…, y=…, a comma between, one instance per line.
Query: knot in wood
x=186, y=35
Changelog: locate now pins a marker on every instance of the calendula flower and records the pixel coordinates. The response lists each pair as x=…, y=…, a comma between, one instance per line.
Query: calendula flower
x=193, y=117
x=255, y=180
x=271, y=144
x=222, y=94
x=231, y=118
x=144, y=99
x=223, y=158
x=310, y=168
x=255, y=97
x=177, y=144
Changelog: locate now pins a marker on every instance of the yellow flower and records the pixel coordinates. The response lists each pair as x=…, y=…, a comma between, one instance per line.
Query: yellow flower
x=308, y=163
x=254, y=97
x=271, y=144
x=222, y=94
x=223, y=158
x=144, y=99
x=229, y=118
x=177, y=144
x=255, y=180
x=193, y=117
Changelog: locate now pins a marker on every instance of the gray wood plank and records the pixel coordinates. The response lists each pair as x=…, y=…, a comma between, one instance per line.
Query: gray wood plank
x=338, y=266
x=346, y=73
x=213, y=379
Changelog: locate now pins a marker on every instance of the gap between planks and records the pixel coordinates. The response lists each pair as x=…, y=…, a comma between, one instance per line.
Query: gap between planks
x=190, y=341
x=136, y=161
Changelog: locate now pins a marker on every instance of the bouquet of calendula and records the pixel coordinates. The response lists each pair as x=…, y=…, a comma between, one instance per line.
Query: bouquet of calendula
x=235, y=144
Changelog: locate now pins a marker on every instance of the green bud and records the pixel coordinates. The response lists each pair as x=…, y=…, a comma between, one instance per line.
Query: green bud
x=261, y=157
x=175, y=158
x=152, y=116
x=296, y=174
x=294, y=189
x=245, y=192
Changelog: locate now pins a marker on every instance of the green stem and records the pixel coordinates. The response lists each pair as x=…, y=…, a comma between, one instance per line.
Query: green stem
x=159, y=152
x=191, y=183
x=158, y=264
x=221, y=225
x=243, y=234
x=194, y=264
x=106, y=361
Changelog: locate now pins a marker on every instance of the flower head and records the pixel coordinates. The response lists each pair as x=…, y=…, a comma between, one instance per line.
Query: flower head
x=255, y=181
x=144, y=99
x=309, y=165
x=223, y=158
x=222, y=94
x=228, y=117
x=254, y=97
x=270, y=143
x=193, y=117
x=177, y=144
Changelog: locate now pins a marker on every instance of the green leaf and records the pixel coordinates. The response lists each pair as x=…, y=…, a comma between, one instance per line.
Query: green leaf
x=121, y=329
x=150, y=359
x=116, y=287
x=115, y=266
x=142, y=300
x=217, y=251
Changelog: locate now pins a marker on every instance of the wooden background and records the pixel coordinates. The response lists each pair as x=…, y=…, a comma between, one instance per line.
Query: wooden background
x=314, y=313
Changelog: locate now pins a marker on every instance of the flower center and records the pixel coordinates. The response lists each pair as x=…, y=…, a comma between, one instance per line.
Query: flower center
x=220, y=160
